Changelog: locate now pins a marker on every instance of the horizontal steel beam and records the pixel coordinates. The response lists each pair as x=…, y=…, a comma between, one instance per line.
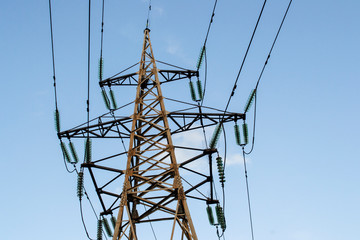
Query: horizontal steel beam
x=120, y=126
x=132, y=80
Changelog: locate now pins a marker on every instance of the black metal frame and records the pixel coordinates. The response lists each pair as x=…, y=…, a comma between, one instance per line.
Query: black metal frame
x=184, y=121
x=107, y=126
x=130, y=80
x=168, y=198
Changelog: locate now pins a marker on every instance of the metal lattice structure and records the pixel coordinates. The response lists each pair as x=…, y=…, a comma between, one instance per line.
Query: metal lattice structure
x=152, y=188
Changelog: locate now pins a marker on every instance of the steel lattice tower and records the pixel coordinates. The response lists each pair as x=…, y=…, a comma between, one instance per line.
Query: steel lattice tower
x=152, y=189
x=151, y=162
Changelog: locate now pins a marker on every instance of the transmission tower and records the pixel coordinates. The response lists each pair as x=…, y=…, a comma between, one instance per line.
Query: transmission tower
x=152, y=189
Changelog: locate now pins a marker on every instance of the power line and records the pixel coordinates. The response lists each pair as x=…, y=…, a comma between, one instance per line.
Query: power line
x=227, y=105
x=54, y=79
x=53, y=53
x=248, y=195
x=83, y=221
x=262, y=71
x=210, y=23
x=272, y=46
x=102, y=29
x=257, y=84
x=88, y=98
x=87, y=103
x=204, y=50
x=88, y=73
x=245, y=56
x=148, y=16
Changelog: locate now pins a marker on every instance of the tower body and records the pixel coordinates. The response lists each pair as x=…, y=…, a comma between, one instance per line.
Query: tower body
x=152, y=176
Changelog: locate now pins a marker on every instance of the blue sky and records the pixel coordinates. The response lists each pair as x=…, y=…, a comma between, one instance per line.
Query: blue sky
x=304, y=172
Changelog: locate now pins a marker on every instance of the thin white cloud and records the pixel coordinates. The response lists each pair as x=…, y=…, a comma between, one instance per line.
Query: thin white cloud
x=194, y=139
x=159, y=10
x=174, y=47
x=236, y=159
